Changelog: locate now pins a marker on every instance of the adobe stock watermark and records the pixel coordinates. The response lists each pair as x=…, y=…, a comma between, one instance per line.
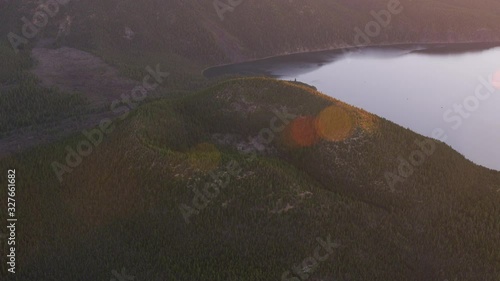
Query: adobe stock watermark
x=456, y=116
x=221, y=8
x=363, y=37
x=382, y=20
x=210, y=191
x=406, y=166
x=304, y=269
x=233, y=169
x=471, y=103
x=40, y=19
x=121, y=107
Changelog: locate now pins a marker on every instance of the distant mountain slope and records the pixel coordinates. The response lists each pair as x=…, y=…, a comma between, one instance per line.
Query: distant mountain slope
x=185, y=37
x=253, y=29
x=193, y=30
x=293, y=166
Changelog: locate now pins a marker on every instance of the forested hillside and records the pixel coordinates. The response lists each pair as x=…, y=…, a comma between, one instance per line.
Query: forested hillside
x=266, y=200
x=230, y=179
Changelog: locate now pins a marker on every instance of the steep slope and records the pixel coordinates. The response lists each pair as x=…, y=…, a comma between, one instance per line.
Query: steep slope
x=292, y=165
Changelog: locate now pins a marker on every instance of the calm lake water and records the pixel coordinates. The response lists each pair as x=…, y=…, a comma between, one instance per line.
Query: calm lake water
x=427, y=88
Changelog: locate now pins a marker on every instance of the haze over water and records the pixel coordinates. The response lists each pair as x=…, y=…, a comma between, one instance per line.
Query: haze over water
x=423, y=90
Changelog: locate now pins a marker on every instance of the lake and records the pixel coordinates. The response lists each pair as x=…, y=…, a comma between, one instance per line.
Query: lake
x=451, y=88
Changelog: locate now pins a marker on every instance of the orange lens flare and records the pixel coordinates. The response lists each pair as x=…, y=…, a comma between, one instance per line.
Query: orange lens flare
x=334, y=124
x=205, y=157
x=302, y=132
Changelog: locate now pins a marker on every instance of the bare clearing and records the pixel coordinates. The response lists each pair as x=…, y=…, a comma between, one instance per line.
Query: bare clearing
x=74, y=70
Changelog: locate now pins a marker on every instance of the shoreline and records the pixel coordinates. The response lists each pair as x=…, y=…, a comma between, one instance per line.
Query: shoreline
x=348, y=48
x=427, y=49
